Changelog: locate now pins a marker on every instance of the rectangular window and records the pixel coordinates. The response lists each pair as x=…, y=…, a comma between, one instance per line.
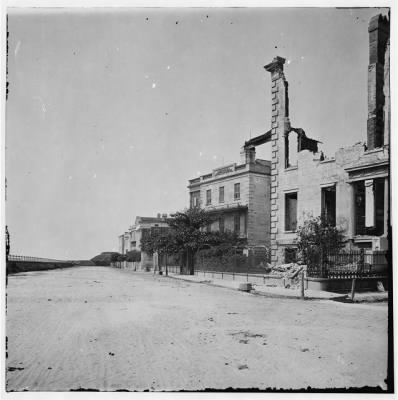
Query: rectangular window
x=237, y=223
x=237, y=191
x=290, y=255
x=208, y=197
x=369, y=207
x=221, y=224
x=290, y=211
x=221, y=194
x=195, y=196
x=329, y=205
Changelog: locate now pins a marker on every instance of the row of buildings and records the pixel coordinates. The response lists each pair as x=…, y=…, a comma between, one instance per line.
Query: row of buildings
x=264, y=201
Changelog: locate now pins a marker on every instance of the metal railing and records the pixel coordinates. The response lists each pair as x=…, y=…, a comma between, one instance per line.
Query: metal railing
x=13, y=257
x=353, y=264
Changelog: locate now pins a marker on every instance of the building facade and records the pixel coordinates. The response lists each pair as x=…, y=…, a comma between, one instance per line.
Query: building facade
x=350, y=189
x=265, y=202
x=238, y=197
x=131, y=240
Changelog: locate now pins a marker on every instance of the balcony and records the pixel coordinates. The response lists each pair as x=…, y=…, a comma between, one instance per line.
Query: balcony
x=230, y=207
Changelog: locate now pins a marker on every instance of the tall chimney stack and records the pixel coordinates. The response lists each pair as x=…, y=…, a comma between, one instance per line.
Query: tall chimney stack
x=248, y=155
x=379, y=32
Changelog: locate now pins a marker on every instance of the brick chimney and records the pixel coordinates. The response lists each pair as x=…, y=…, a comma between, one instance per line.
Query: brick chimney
x=379, y=32
x=280, y=127
x=248, y=155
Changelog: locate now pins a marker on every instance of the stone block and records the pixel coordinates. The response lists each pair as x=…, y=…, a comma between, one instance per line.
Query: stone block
x=275, y=77
x=274, y=171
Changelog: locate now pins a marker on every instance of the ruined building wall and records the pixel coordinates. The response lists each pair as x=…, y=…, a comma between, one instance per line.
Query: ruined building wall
x=258, y=226
x=280, y=125
x=379, y=32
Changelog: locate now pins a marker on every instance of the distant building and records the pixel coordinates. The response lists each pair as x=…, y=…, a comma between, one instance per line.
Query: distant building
x=124, y=242
x=131, y=240
x=238, y=196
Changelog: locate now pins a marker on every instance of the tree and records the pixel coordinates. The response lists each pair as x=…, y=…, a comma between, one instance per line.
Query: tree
x=188, y=232
x=114, y=257
x=133, y=256
x=121, y=257
x=317, y=237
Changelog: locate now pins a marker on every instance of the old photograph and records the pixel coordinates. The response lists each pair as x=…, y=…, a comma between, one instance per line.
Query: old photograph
x=197, y=199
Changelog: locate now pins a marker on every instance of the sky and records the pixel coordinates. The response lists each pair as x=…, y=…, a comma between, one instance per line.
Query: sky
x=111, y=111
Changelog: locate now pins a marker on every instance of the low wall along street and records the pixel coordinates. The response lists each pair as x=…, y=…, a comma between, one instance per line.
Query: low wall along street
x=17, y=264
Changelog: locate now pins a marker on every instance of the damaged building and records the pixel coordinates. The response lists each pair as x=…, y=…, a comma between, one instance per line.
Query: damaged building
x=266, y=201
x=351, y=189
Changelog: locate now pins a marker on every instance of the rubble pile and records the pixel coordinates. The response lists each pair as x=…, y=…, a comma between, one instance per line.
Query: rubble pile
x=290, y=272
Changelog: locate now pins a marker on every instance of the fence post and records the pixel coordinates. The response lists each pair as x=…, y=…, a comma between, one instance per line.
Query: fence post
x=361, y=261
x=353, y=289
x=322, y=266
x=302, y=284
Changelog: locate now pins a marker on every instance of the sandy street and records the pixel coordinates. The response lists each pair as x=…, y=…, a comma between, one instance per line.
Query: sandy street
x=110, y=329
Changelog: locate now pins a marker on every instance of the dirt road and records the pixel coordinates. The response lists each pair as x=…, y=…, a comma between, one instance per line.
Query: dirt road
x=109, y=329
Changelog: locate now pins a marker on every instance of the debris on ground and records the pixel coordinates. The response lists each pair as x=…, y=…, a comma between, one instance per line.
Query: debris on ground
x=290, y=272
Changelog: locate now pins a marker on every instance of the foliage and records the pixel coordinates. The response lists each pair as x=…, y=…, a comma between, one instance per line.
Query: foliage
x=188, y=226
x=316, y=236
x=121, y=257
x=105, y=258
x=114, y=257
x=187, y=233
x=162, y=243
x=133, y=256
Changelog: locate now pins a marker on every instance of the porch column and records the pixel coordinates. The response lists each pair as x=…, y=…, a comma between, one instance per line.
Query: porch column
x=386, y=204
x=369, y=204
x=351, y=212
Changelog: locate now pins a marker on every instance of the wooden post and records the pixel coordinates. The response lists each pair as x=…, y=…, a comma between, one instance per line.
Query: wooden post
x=302, y=285
x=353, y=289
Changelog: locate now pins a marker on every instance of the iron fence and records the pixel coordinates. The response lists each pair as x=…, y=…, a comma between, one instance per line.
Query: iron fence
x=13, y=257
x=348, y=265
